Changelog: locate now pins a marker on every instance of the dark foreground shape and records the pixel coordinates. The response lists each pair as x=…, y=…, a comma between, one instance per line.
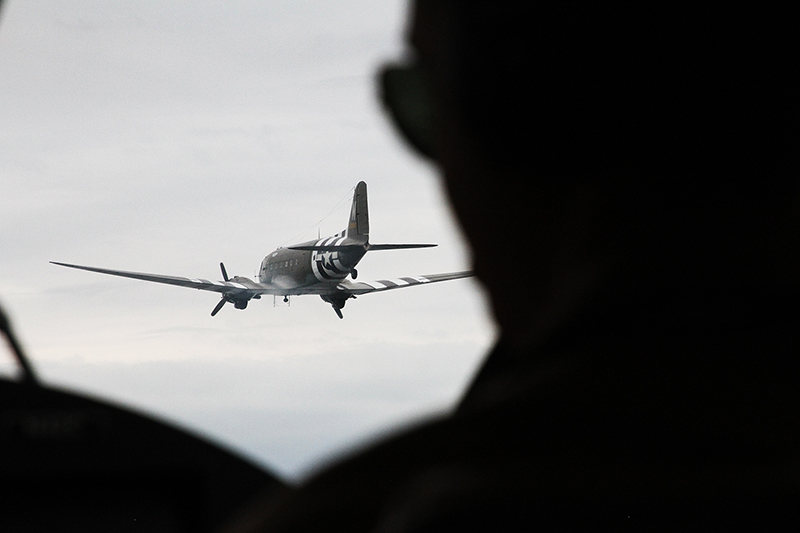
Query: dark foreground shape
x=70, y=463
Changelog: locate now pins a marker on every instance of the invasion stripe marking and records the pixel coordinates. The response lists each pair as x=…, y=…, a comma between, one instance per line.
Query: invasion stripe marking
x=414, y=281
x=234, y=284
x=374, y=284
x=389, y=283
x=231, y=284
x=333, y=269
x=324, y=275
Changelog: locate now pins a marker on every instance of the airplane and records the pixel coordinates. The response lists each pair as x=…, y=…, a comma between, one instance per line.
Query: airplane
x=318, y=267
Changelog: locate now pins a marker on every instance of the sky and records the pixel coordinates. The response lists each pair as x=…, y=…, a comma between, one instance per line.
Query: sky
x=166, y=137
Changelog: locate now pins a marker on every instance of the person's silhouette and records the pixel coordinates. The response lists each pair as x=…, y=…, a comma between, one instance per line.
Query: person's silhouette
x=626, y=175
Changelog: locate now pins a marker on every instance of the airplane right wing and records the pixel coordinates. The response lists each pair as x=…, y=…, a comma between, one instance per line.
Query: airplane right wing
x=343, y=291
x=357, y=288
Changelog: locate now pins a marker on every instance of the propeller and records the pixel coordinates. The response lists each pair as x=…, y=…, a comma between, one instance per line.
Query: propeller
x=223, y=300
x=219, y=306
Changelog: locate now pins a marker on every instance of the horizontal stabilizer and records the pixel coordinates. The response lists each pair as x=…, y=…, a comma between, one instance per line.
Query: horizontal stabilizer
x=348, y=247
x=399, y=246
x=329, y=248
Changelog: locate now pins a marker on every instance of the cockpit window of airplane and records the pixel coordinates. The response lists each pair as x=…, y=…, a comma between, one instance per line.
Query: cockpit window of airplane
x=172, y=137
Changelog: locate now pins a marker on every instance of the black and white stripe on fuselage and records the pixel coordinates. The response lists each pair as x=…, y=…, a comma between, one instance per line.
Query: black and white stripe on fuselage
x=328, y=266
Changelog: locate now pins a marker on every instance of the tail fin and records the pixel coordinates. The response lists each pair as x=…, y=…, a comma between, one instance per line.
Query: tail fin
x=358, y=227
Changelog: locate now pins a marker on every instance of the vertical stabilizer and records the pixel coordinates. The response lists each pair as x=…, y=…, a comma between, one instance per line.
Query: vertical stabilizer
x=358, y=227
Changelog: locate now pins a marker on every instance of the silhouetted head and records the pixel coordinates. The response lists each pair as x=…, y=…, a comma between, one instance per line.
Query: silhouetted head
x=591, y=145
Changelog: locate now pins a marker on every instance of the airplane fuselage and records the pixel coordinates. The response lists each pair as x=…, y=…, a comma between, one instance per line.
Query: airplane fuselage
x=290, y=268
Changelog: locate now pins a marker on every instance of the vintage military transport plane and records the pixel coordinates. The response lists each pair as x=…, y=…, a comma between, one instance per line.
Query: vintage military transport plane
x=314, y=267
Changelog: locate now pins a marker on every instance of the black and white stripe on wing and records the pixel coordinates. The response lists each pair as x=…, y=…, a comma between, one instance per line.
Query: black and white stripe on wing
x=383, y=284
x=364, y=287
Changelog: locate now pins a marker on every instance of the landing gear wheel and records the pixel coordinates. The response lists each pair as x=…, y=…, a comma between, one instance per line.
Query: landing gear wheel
x=336, y=302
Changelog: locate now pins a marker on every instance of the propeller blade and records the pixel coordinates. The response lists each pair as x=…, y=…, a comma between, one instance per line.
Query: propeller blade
x=219, y=305
x=224, y=273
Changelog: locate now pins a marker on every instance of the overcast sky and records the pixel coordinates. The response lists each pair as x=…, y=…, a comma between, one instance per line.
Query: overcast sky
x=166, y=137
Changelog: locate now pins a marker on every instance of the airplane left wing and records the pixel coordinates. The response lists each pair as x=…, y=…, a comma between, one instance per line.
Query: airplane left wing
x=224, y=287
x=237, y=290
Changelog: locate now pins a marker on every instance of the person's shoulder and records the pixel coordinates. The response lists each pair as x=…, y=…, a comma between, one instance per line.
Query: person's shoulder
x=478, y=465
x=563, y=442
